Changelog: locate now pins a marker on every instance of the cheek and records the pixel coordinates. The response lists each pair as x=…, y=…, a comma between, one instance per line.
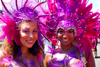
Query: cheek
x=72, y=37
x=36, y=35
x=59, y=36
x=23, y=35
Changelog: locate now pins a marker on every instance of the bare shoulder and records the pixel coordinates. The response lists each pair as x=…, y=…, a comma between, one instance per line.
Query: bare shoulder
x=47, y=57
x=2, y=55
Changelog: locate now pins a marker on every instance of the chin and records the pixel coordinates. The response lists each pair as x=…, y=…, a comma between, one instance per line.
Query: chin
x=66, y=44
x=29, y=46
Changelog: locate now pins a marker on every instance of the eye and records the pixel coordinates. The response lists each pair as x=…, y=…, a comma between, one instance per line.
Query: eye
x=35, y=31
x=71, y=31
x=25, y=31
x=60, y=31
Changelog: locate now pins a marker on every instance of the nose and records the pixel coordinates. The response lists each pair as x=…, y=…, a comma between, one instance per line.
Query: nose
x=31, y=34
x=65, y=34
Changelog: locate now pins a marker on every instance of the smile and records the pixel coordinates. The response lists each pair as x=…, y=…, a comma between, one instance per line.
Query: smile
x=65, y=39
x=29, y=41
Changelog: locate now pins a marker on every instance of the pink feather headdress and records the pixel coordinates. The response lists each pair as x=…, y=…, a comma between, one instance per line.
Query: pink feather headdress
x=75, y=13
x=17, y=11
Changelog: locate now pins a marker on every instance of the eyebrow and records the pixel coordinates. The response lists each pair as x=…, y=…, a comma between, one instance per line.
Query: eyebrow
x=28, y=28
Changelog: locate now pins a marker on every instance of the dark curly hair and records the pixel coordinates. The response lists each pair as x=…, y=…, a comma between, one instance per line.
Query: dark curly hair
x=13, y=49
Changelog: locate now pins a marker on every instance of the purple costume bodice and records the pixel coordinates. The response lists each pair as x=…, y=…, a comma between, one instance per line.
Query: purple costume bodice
x=20, y=61
x=59, y=59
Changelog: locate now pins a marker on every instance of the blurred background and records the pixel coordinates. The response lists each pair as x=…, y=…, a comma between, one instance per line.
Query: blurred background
x=96, y=7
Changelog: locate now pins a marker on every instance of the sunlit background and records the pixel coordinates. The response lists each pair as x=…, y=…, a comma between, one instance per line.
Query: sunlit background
x=96, y=6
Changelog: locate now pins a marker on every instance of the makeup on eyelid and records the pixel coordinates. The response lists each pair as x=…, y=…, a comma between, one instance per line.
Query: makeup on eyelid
x=69, y=32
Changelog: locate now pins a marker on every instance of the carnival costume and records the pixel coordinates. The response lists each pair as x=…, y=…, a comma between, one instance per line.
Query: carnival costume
x=16, y=12
x=76, y=15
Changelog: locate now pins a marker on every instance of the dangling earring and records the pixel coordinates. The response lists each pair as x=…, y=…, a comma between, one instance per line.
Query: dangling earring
x=34, y=48
x=19, y=51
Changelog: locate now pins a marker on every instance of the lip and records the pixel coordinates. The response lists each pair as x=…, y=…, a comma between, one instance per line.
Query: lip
x=65, y=40
x=30, y=42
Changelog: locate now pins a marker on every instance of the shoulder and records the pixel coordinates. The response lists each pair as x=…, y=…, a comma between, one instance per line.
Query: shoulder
x=47, y=57
x=49, y=54
x=2, y=55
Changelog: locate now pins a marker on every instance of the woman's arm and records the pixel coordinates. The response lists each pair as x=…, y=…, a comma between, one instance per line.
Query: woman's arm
x=46, y=59
x=91, y=62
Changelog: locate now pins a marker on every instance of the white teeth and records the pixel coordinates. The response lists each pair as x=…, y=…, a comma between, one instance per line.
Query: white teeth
x=65, y=39
x=29, y=41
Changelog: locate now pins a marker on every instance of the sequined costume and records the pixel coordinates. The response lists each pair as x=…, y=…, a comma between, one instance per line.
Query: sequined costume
x=20, y=61
x=63, y=59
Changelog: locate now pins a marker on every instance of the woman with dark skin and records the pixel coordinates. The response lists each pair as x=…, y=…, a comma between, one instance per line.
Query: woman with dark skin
x=72, y=22
x=69, y=54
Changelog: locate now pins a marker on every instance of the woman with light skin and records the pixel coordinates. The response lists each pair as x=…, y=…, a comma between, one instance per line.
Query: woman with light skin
x=28, y=36
x=22, y=45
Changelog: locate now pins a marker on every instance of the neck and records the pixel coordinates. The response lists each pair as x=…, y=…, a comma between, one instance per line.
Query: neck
x=24, y=50
x=66, y=47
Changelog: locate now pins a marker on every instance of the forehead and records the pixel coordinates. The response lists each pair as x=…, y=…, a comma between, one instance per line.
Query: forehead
x=28, y=24
x=65, y=25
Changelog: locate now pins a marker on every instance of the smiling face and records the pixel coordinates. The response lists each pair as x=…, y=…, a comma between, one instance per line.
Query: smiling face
x=28, y=33
x=65, y=37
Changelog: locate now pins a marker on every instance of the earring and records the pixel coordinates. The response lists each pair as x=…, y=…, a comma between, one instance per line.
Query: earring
x=19, y=51
x=33, y=48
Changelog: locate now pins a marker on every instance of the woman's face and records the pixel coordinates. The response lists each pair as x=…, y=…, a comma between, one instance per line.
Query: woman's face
x=28, y=33
x=65, y=37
